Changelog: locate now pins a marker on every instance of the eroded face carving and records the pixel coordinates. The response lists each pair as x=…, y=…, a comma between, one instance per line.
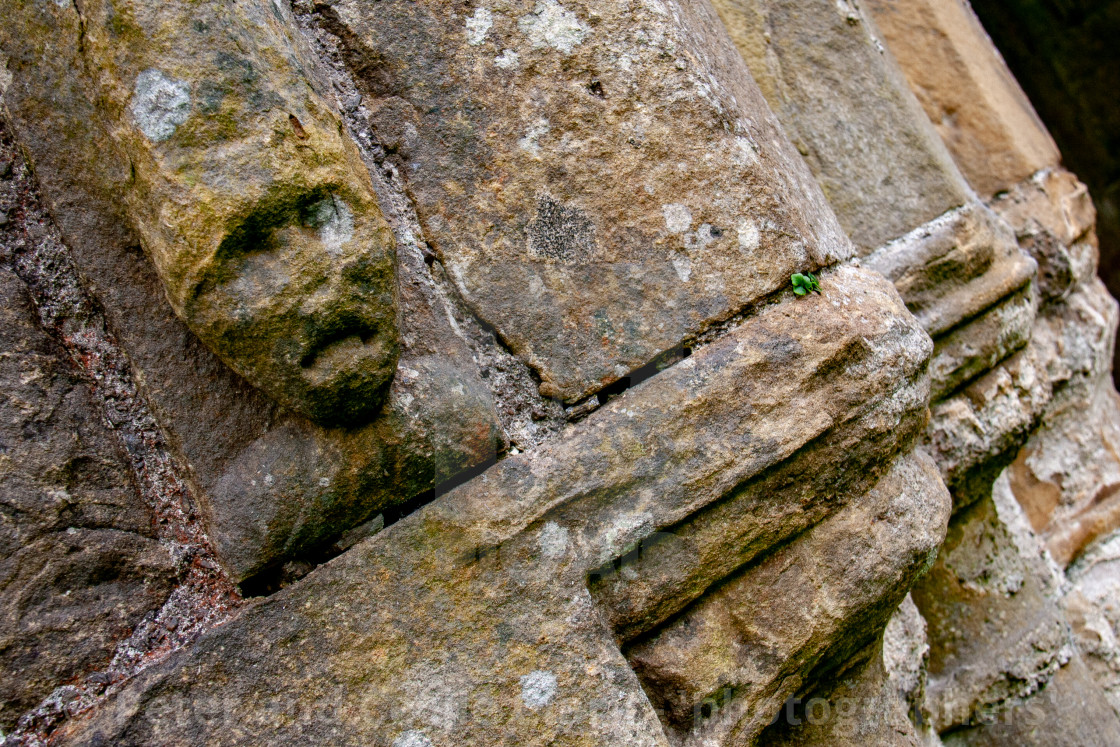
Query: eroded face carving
x=300, y=300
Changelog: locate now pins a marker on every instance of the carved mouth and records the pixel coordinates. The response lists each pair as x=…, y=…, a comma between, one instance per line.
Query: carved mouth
x=340, y=351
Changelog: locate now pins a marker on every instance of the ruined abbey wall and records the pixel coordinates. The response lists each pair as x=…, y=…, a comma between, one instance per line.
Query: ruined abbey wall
x=667, y=372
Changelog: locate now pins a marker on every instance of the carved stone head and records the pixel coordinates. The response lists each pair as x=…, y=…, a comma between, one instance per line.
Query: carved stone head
x=299, y=299
x=257, y=210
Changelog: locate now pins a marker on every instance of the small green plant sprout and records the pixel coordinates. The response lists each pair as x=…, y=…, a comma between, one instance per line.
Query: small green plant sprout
x=803, y=283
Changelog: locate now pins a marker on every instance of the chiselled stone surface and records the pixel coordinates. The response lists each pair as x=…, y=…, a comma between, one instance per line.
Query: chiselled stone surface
x=655, y=579
x=857, y=706
x=79, y=562
x=472, y=615
x=1057, y=387
x=297, y=485
x=993, y=415
x=954, y=267
x=1020, y=677
x=490, y=303
x=963, y=275
x=1068, y=473
x=510, y=114
x=254, y=206
x=836, y=90
x=272, y=485
x=967, y=91
x=756, y=641
x=975, y=347
x=1053, y=219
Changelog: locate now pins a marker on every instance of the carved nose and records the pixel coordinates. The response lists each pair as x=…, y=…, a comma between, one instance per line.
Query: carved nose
x=320, y=304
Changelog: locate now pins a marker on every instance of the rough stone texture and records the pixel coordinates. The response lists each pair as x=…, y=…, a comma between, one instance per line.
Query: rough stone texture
x=79, y=562
x=1092, y=604
x=1053, y=220
x=973, y=434
x=75, y=324
x=993, y=634
x=906, y=661
x=1066, y=59
x=774, y=628
x=1057, y=387
x=1003, y=668
x=448, y=608
x=1068, y=473
x=990, y=127
x=707, y=207
x=977, y=346
x=906, y=650
x=954, y=267
x=965, y=278
x=967, y=91
x=1062, y=476
x=836, y=89
x=1033, y=553
x=255, y=208
x=1023, y=682
x=856, y=706
x=664, y=572
x=594, y=474
x=1068, y=712
x=439, y=419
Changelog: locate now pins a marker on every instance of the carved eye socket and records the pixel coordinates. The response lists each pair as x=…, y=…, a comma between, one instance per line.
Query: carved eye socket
x=314, y=210
x=324, y=215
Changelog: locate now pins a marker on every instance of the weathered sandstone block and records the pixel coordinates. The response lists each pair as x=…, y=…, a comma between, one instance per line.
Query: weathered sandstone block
x=858, y=705
x=272, y=484
x=1002, y=664
x=967, y=351
x=471, y=619
x=967, y=91
x=963, y=275
x=974, y=434
x=836, y=90
x=1053, y=219
x=79, y=562
x=1062, y=476
x=954, y=267
x=601, y=180
x=723, y=669
x=483, y=309
x=906, y=660
x=994, y=635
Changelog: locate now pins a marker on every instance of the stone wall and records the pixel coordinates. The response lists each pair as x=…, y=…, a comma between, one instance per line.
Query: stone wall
x=425, y=373
x=1065, y=56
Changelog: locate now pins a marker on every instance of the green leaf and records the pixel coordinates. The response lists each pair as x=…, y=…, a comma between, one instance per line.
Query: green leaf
x=804, y=282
